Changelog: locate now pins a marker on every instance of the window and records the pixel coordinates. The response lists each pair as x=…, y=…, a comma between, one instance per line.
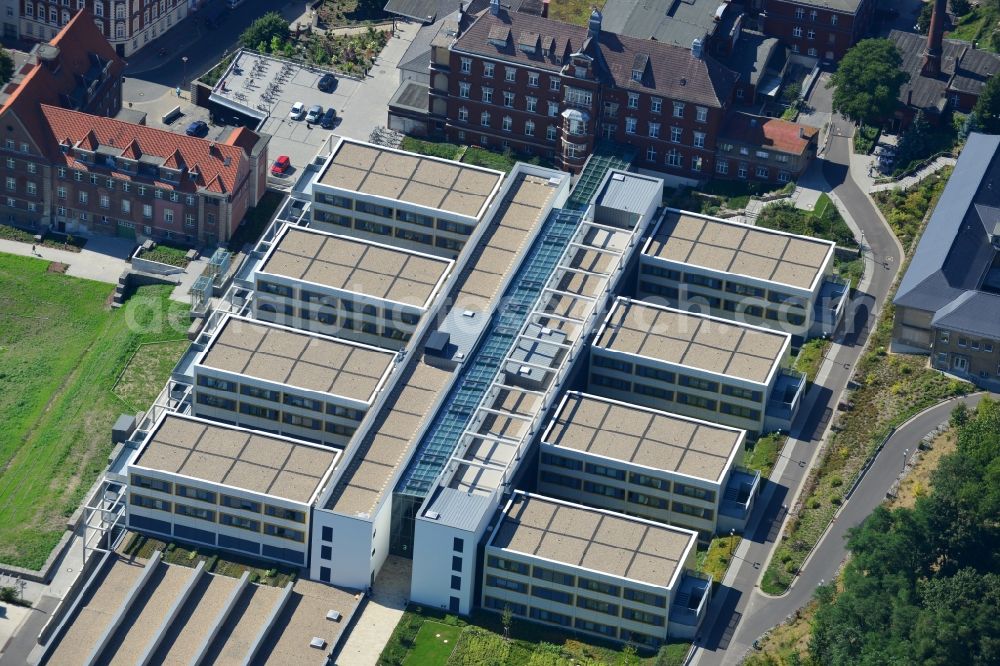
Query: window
x=678, y=109
x=550, y=617
x=650, y=154
x=630, y=124
x=633, y=100
x=463, y=89
x=812, y=52
x=484, y=119
x=284, y=532
x=507, y=123
x=508, y=99
x=553, y=109
x=550, y=133
x=529, y=128
x=602, y=470
x=458, y=544
x=800, y=12
x=761, y=172
x=488, y=95
x=83, y=197
x=698, y=383
x=488, y=69
x=811, y=34
x=194, y=512
x=149, y=502
x=189, y=221
x=673, y=158
x=560, y=461
x=531, y=104
x=596, y=605
x=147, y=211
x=466, y=66
x=533, y=79
x=579, y=97
x=239, y=521
x=722, y=167
x=654, y=130
x=463, y=115
x=11, y=184
x=506, y=565
x=701, y=114
x=797, y=31
x=696, y=163
x=557, y=596
x=554, y=84
x=510, y=74
x=557, y=577
x=833, y=20
x=506, y=584
x=604, y=490
x=641, y=616
x=456, y=563
x=675, y=134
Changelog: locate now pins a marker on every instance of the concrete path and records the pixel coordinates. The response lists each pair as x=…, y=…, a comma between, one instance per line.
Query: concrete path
x=380, y=615
x=910, y=181
x=18, y=649
x=102, y=258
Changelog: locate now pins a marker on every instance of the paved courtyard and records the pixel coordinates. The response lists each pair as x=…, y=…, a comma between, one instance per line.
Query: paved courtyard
x=379, y=616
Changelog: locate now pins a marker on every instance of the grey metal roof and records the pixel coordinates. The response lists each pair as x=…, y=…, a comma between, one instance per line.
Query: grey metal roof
x=671, y=21
x=428, y=11
x=835, y=5
x=629, y=192
x=457, y=508
x=954, y=251
x=974, y=312
x=417, y=56
x=963, y=69
x=755, y=53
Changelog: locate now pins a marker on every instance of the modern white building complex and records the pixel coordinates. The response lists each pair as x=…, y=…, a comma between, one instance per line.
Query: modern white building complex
x=232, y=488
x=701, y=366
x=354, y=289
x=751, y=274
x=287, y=381
x=594, y=571
x=425, y=203
x=642, y=462
x=449, y=364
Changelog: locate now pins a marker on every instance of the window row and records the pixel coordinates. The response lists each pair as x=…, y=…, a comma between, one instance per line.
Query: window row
x=269, y=414
x=569, y=580
x=228, y=519
x=271, y=395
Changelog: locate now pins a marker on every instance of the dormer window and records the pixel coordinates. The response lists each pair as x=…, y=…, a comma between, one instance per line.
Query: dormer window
x=637, y=75
x=83, y=155
x=499, y=36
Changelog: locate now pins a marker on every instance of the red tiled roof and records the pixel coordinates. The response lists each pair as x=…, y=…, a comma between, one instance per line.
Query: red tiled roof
x=243, y=138
x=668, y=69
x=209, y=158
x=773, y=133
x=76, y=41
x=133, y=151
x=175, y=161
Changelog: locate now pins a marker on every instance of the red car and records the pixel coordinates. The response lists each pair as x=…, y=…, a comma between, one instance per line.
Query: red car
x=281, y=165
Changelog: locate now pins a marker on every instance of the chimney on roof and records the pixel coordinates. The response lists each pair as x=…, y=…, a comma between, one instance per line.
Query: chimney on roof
x=802, y=132
x=495, y=7
x=909, y=97
x=696, y=48
x=935, y=35
x=594, y=25
x=545, y=8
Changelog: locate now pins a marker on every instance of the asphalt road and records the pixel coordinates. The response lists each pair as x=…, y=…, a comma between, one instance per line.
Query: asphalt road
x=740, y=612
x=24, y=640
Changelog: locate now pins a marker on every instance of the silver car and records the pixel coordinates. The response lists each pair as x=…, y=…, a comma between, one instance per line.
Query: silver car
x=315, y=113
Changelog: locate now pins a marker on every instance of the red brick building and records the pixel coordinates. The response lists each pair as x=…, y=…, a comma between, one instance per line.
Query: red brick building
x=66, y=166
x=539, y=86
x=822, y=29
x=128, y=26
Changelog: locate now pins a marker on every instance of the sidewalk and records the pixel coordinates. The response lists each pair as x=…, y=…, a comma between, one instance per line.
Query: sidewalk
x=910, y=181
x=102, y=258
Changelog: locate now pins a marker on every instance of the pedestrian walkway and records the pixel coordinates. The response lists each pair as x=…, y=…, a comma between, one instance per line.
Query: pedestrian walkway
x=379, y=616
x=102, y=258
x=910, y=181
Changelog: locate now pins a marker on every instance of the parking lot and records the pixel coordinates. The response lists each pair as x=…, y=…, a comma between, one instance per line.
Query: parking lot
x=246, y=90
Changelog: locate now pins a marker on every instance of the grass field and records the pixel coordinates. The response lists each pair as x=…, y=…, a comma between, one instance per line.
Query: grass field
x=61, y=350
x=715, y=560
x=142, y=379
x=434, y=644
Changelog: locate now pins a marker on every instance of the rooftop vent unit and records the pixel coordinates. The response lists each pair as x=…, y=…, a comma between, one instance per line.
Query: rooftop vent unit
x=317, y=643
x=333, y=615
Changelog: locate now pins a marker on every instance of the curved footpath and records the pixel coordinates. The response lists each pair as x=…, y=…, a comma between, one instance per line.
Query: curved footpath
x=740, y=613
x=825, y=560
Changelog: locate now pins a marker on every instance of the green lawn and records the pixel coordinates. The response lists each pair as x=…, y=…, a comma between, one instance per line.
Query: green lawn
x=905, y=210
x=434, y=644
x=576, y=12
x=715, y=560
x=975, y=26
x=167, y=254
x=763, y=454
x=142, y=379
x=448, y=151
x=810, y=357
x=255, y=221
x=61, y=350
x=480, y=642
x=824, y=221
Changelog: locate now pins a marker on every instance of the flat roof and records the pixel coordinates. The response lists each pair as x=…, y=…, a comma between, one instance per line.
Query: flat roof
x=354, y=265
x=382, y=451
x=304, y=618
x=646, y=437
x=695, y=341
x=431, y=182
x=594, y=539
x=299, y=359
x=740, y=249
x=237, y=457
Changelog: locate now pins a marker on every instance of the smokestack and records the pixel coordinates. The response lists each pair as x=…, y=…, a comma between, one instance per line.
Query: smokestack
x=594, y=24
x=495, y=7
x=932, y=55
x=545, y=8
x=696, y=48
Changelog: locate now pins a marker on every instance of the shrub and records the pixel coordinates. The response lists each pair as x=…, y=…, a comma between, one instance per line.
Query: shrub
x=814, y=503
x=836, y=481
x=8, y=595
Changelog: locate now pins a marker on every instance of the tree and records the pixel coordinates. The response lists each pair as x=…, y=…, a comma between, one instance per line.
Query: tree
x=987, y=109
x=506, y=619
x=866, y=85
x=960, y=7
x=6, y=66
x=265, y=29
x=924, y=20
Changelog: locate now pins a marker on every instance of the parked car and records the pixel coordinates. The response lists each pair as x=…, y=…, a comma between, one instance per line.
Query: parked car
x=327, y=83
x=197, y=128
x=298, y=110
x=315, y=111
x=281, y=165
x=328, y=119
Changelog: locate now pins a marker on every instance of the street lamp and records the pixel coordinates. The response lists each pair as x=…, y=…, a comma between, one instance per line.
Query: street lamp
x=732, y=538
x=906, y=452
x=184, y=59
